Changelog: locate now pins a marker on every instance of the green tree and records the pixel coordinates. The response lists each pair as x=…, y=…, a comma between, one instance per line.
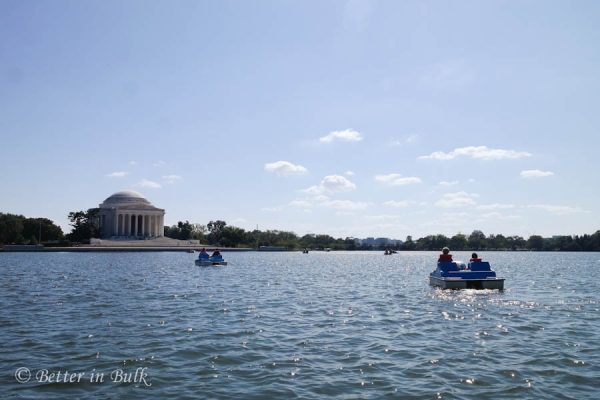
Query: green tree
x=535, y=242
x=496, y=242
x=11, y=228
x=477, y=240
x=185, y=230
x=199, y=232
x=85, y=225
x=408, y=243
x=35, y=229
x=231, y=236
x=515, y=242
x=458, y=242
x=215, y=230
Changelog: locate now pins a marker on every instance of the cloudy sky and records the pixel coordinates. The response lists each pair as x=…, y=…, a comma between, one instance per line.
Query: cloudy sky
x=352, y=118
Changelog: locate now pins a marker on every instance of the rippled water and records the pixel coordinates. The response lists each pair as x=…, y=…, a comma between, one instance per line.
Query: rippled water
x=283, y=325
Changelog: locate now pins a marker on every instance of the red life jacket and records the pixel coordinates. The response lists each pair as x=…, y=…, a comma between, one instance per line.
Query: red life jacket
x=445, y=257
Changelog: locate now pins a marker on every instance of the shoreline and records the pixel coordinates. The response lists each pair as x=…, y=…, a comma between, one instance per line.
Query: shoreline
x=90, y=249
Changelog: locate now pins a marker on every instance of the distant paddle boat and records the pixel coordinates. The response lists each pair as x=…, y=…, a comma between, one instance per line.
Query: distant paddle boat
x=204, y=260
x=456, y=275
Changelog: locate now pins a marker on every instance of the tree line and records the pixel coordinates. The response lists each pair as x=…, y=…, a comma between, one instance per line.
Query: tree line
x=218, y=233
x=477, y=240
x=17, y=229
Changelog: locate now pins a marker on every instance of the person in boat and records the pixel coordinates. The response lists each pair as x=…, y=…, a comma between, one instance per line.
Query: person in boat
x=474, y=257
x=445, y=256
x=203, y=253
x=216, y=253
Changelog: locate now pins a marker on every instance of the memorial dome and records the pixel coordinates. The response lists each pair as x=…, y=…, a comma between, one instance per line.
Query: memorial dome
x=128, y=214
x=125, y=197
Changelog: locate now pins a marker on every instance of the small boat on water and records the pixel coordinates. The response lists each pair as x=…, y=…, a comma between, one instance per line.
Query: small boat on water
x=456, y=275
x=204, y=260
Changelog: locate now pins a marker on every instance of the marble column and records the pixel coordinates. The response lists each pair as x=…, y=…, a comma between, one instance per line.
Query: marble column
x=143, y=225
x=116, y=224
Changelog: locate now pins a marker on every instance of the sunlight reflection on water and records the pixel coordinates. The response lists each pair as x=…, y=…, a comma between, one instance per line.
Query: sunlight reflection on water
x=338, y=324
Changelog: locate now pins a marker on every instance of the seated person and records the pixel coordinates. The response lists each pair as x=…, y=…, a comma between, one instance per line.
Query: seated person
x=216, y=253
x=203, y=253
x=445, y=256
x=474, y=257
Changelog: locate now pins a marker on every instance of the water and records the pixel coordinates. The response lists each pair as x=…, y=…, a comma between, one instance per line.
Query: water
x=292, y=325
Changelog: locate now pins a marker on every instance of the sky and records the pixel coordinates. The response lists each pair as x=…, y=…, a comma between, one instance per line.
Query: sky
x=349, y=118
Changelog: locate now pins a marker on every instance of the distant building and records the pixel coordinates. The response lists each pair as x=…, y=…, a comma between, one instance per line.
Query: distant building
x=128, y=214
x=380, y=241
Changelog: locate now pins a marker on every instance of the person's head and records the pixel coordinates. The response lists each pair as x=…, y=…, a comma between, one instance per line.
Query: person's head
x=445, y=250
x=474, y=255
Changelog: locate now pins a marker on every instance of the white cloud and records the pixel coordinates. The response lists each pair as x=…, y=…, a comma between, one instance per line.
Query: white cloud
x=323, y=201
x=397, y=179
x=558, y=210
x=331, y=184
x=271, y=209
x=458, y=199
x=159, y=163
x=383, y=218
x=495, y=206
x=448, y=183
x=406, y=140
x=345, y=205
x=348, y=135
x=133, y=163
x=412, y=138
x=300, y=203
x=535, y=173
x=118, y=174
x=170, y=179
x=145, y=183
x=285, y=168
x=497, y=215
x=350, y=173
x=397, y=204
x=476, y=152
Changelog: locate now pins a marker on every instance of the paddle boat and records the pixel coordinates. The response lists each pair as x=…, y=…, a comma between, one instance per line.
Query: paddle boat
x=204, y=260
x=456, y=275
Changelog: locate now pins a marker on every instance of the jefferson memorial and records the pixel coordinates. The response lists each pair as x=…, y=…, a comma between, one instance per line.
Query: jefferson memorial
x=128, y=214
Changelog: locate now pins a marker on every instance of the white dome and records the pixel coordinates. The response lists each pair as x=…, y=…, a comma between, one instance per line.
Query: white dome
x=125, y=197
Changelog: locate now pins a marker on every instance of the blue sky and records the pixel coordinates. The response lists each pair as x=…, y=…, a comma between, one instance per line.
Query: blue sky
x=352, y=118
